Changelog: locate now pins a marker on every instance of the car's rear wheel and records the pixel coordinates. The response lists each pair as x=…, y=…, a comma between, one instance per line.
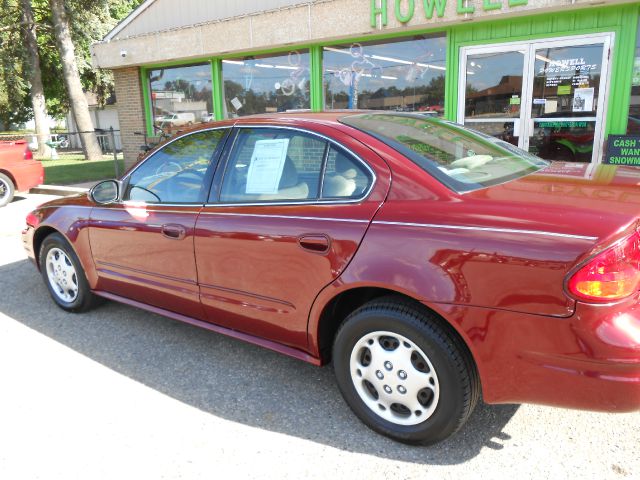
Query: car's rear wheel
x=63, y=275
x=403, y=373
x=7, y=190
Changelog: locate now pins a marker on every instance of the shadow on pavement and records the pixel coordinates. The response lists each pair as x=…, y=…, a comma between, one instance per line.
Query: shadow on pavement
x=228, y=378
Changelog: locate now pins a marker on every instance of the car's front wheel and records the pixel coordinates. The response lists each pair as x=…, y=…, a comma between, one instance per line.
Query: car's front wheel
x=7, y=190
x=403, y=373
x=63, y=275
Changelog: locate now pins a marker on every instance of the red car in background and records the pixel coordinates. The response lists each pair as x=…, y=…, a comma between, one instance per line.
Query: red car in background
x=430, y=263
x=18, y=170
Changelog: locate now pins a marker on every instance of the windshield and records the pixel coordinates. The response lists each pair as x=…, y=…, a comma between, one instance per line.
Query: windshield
x=459, y=157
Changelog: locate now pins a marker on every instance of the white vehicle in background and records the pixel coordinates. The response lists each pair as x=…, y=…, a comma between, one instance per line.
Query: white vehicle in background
x=207, y=117
x=178, y=119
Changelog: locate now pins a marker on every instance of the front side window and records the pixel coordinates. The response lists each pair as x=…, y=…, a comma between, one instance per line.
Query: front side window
x=181, y=96
x=176, y=173
x=459, y=157
x=275, y=165
x=266, y=83
x=401, y=75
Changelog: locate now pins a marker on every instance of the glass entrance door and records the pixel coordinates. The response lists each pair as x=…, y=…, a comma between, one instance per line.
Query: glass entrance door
x=547, y=97
x=493, y=92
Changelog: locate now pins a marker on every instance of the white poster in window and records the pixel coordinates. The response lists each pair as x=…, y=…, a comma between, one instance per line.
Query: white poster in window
x=237, y=104
x=267, y=165
x=551, y=106
x=583, y=99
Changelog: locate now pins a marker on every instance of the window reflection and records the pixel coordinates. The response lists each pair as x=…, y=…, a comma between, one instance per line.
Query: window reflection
x=181, y=97
x=567, y=81
x=566, y=86
x=494, y=85
x=405, y=75
x=266, y=83
x=175, y=174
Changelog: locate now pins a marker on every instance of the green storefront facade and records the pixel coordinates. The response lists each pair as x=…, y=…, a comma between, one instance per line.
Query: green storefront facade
x=555, y=83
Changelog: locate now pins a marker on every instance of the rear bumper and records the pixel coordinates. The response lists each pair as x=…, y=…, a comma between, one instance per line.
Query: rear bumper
x=588, y=361
x=27, y=174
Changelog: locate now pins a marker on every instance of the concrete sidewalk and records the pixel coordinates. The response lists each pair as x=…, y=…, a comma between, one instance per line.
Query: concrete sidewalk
x=64, y=190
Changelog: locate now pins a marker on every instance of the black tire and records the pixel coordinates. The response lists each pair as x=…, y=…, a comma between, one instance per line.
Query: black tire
x=445, y=405
x=83, y=300
x=7, y=190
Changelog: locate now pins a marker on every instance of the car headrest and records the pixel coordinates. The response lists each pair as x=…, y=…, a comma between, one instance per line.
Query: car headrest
x=289, y=175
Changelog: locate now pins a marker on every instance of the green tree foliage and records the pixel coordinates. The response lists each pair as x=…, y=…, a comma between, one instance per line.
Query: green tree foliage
x=14, y=101
x=90, y=22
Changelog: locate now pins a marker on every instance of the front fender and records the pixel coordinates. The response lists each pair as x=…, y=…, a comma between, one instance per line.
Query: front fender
x=70, y=218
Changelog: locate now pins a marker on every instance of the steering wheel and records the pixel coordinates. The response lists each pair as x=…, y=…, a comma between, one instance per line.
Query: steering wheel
x=176, y=188
x=169, y=167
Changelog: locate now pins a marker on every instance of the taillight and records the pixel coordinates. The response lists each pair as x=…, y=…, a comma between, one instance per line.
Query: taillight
x=611, y=275
x=28, y=154
x=32, y=220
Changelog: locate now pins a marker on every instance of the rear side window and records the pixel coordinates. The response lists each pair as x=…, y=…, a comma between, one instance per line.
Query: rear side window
x=344, y=176
x=276, y=165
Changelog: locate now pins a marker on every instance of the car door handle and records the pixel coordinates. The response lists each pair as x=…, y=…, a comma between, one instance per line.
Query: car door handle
x=315, y=243
x=174, y=232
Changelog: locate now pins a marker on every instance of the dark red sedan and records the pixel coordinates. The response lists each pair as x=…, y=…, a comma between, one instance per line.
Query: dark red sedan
x=430, y=263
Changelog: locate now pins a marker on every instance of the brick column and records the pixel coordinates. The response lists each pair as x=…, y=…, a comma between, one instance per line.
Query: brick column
x=130, y=107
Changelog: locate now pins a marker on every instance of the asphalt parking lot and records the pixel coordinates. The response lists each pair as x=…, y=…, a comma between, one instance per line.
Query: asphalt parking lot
x=121, y=393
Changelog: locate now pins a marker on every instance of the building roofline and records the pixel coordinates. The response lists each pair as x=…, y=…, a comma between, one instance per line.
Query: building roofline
x=127, y=20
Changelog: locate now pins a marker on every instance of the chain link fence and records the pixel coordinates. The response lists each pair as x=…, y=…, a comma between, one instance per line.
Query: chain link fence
x=63, y=160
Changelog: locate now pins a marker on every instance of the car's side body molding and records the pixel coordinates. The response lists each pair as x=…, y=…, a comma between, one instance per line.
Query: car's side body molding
x=487, y=229
x=275, y=346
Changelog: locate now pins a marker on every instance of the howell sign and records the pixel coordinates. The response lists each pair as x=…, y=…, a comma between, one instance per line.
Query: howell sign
x=405, y=10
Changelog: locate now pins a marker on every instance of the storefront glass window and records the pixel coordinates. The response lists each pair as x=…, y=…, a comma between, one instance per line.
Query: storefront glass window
x=266, y=83
x=633, y=125
x=401, y=75
x=181, y=96
x=494, y=85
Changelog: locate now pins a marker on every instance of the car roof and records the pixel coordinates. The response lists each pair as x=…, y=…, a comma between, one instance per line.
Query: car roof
x=329, y=118
x=326, y=117
x=332, y=117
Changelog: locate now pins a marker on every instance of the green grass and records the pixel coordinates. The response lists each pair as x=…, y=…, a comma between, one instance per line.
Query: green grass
x=73, y=168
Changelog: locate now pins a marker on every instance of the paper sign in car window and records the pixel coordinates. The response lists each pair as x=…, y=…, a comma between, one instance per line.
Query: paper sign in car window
x=267, y=164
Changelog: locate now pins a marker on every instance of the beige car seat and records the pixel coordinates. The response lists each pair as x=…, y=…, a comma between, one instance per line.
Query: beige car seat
x=342, y=183
x=289, y=187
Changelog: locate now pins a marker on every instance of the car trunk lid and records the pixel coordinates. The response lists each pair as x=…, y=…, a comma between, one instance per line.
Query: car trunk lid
x=596, y=201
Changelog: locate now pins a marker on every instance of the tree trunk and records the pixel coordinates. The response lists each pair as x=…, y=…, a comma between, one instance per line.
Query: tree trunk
x=77, y=98
x=35, y=77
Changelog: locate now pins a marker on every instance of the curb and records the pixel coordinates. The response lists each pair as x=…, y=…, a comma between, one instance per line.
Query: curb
x=58, y=190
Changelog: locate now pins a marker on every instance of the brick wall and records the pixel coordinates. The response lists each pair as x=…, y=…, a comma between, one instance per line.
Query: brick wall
x=130, y=111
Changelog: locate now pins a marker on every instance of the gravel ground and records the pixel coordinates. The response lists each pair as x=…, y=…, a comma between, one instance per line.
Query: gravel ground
x=121, y=393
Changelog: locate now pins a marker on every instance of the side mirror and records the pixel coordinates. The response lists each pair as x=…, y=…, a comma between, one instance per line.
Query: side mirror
x=105, y=192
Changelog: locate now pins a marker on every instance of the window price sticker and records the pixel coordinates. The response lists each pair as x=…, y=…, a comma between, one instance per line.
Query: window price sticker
x=267, y=165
